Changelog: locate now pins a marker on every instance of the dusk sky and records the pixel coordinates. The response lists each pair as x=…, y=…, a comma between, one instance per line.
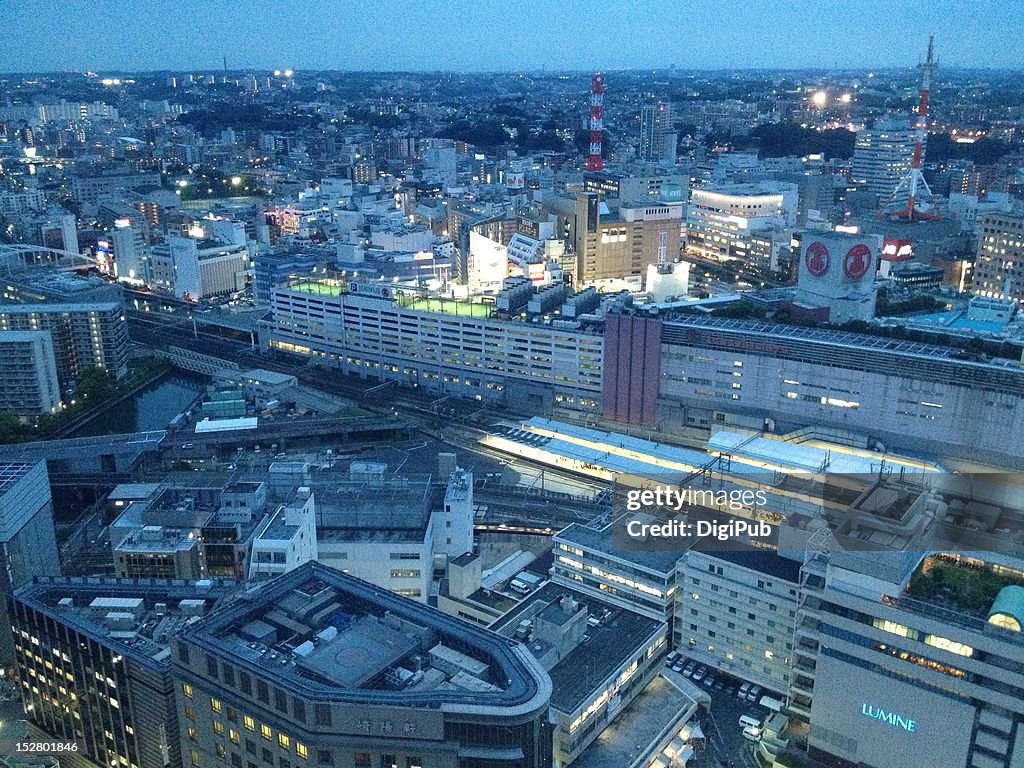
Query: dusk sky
x=105, y=35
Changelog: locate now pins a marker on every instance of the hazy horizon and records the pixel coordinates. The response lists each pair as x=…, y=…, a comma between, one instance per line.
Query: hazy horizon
x=493, y=37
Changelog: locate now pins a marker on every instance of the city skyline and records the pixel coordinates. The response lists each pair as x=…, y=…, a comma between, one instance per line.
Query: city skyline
x=550, y=385
x=483, y=37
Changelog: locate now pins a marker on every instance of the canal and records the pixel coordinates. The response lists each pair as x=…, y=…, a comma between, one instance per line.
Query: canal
x=151, y=408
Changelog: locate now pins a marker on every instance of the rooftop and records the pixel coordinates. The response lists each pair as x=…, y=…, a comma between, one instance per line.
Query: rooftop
x=604, y=648
x=327, y=636
x=42, y=284
x=768, y=562
x=968, y=588
x=384, y=506
x=660, y=561
x=860, y=341
x=11, y=472
x=134, y=616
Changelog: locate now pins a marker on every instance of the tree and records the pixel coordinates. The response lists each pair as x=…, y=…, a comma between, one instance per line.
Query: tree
x=11, y=428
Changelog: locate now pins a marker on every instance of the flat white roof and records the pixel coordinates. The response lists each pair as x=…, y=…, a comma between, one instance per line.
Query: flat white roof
x=814, y=457
x=225, y=425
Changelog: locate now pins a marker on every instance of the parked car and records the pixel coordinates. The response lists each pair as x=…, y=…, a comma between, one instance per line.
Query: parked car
x=698, y=675
x=688, y=669
x=671, y=658
x=744, y=690
x=753, y=693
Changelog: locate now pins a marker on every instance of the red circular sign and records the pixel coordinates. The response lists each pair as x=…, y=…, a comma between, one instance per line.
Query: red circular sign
x=857, y=262
x=817, y=259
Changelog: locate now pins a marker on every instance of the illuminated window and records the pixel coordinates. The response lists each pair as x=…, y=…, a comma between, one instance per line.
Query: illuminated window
x=218, y=728
x=187, y=690
x=215, y=705
x=283, y=741
x=195, y=757
x=250, y=724
x=300, y=750
x=960, y=649
x=265, y=731
x=233, y=735
x=896, y=629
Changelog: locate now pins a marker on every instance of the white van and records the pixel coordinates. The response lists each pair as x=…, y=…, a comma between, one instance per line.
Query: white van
x=752, y=734
x=746, y=721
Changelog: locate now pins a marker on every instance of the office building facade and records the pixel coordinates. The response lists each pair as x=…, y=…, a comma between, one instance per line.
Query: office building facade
x=881, y=157
x=642, y=581
x=723, y=220
x=28, y=546
x=999, y=264
x=889, y=678
x=620, y=245
x=872, y=391
x=461, y=350
x=736, y=612
x=198, y=270
x=28, y=374
x=95, y=669
x=318, y=668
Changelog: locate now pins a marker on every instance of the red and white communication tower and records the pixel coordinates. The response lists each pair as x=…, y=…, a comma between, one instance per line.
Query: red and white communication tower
x=595, y=162
x=920, y=202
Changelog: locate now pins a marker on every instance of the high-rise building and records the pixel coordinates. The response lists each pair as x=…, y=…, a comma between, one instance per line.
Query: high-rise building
x=319, y=668
x=191, y=532
x=735, y=611
x=85, y=318
x=655, y=126
x=28, y=547
x=999, y=266
x=599, y=656
x=723, y=220
x=274, y=267
x=129, y=252
x=28, y=373
x=882, y=156
x=616, y=245
x=888, y=667
x=95, y=669
x=195, y=270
